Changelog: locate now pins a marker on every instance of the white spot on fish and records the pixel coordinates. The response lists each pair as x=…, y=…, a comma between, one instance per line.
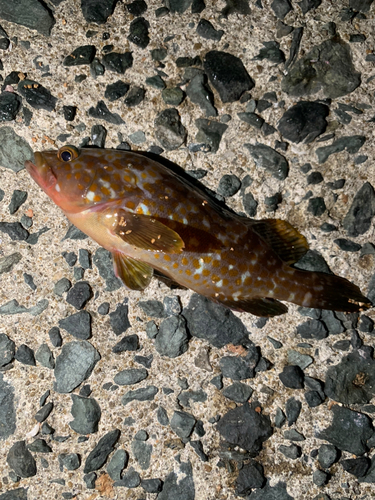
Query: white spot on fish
x=144, y=209
x=90, y=195
x=219, y=283
x=57, y=187
x=230, y=267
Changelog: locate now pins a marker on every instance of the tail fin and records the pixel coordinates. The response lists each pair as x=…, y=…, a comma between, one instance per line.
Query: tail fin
x=327, y=291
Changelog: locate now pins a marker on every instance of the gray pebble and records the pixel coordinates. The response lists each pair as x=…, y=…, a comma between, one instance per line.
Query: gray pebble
x=238, y=392
x=90, y=479
x=18, y=199
x=292, y=451
x=128, y=343
x=131, y=479
x=7, y=409
x=172, y=339
x=45, y=357
x=173, y=96
x=7, y=350
x=199, y=93
x=169, y=130
x=117, y=464
x=9, y=261
x=151, y=485
x=71, y=461
x=78, y=325
x=55, y=336
x=179, y=484
x=235, y=368
x=269, y=159
x=39, y=446
x=21, y=460
x=145, y=394
x=210, y=133
x=153, y=308
x=130, y=376
x=142, y=453
x=182, y=423
x=103, y=261
x=25, y=355
x=29, y=281
x=229, y=185
x=62, y=286
x=151, y=329
x=86, y=413
x=79, y=295
x=44, y=412
x=74, y=365
x=99, y=454
x=119, y=319
x=162, y=416
x=172, y=305
x=103, y=309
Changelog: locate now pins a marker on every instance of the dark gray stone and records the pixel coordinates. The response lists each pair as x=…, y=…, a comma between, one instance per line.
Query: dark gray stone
x=8, y=262
x=227, y=75
x=119, y=319
x=349, y=430
x=71, y=461
x=25, y=355
x=269, y=159
x=21, y=460
x=7, y=350
x=362, y=211
x=351, y=144
x=74, y=365
x=304, y=121
x=292, y=377
x=332, y=71
x=244, y=426
x=130, y=376
x=18, y=199
x=172, y=339
x=142, y=453
x=14, y=150
x=145, y=394
x=97, y=11
x=210, y=133
x=199, y=93
x=45, y=357
x=86, y=413
x=78, y=325
x=117, y=464
x=128, y=343
x=7, y=409
x=352, y=381
x=238, y=392
x=292, y=451
x=182, y=423
x=206, y=30
x=213, y=322
x=292, y=409
x=99, y=454
x=328, y=455
x=250, y=476
x=138, y=32
x=44, y=412
x=179, y=484
x=169, y=130
x=31, y=14
x=196, y=396
x=236, y=368
x=79, y=295
x=101, y=112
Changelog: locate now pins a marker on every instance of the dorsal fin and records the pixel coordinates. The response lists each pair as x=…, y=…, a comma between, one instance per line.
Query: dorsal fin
x=283, y=238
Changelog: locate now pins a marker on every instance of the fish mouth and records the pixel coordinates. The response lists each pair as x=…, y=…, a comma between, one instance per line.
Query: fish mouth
x=40, y=172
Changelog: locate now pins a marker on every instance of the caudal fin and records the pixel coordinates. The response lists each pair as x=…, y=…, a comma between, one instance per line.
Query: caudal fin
x=327, y=291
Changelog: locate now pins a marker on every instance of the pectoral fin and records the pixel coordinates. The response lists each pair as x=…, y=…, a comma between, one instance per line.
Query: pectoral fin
x=147, y=233
x=134, y=274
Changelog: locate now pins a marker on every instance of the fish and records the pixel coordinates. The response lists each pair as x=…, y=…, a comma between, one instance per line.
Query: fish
x=152, y=218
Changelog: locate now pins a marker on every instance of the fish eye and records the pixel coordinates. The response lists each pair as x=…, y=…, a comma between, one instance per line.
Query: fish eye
x=67, y=153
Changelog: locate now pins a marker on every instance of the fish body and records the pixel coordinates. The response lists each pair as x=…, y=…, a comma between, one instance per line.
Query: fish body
x=150, y=217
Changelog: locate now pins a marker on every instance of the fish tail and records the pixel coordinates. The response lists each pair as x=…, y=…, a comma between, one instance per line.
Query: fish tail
x=327, y=291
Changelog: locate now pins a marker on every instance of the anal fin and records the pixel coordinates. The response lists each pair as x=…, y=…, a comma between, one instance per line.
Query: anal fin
x=283, y=238
x=262, y=306
x=134, y=274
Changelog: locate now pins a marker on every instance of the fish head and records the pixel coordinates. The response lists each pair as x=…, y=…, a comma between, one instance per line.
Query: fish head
x=66, y=176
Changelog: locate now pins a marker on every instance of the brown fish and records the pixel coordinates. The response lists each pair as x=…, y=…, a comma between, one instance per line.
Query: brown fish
x=150, y=217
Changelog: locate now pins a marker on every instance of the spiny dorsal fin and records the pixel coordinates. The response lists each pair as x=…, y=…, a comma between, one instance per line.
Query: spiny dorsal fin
x=134, y=274
x=147, y=233
x=283, y=238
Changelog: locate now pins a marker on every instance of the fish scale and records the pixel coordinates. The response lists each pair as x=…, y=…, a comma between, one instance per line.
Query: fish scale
x=150, y=217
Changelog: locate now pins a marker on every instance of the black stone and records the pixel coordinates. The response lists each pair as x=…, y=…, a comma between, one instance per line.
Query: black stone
x=245, y=427
x=210, y=133
x=102, y=112
x=269, y=159
x=199, y=93
x=292, y=377
x=69, y=113
x=169, y=130
x=229, y=185
x=250, y=476
x=332, y=71
x=137, y=7
x=281, y=8
x=119, y=319
x=145, y=394
x=36, y=95
x=213, y=322
x=21, y=460
x=227, y=74
x=99, y=454
x=347, y=245
x=79, y=295
x=179, y=484
x=206, y=30
x=7, y=350
x=349, y=430
x=10, y=104
x=362, y=211
x=25, y=355
x=128, y=343
x=172, y=339
x=135, y=96
x=14, y=230
x=97, y=11
x=292, y=410
x=118, y=62
x=304, y=121
x=236, y=368
x=138, y=32
x=81, y=55
x=116, y=90
x=356, y=466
